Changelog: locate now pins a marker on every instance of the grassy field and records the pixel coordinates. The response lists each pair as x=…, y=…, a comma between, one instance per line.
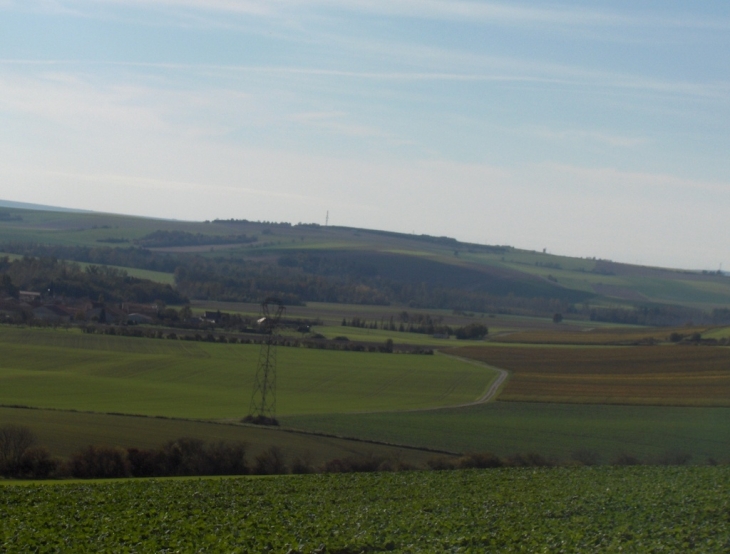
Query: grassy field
x=64, y=433
x=717, y=333
x=556, y=430
x=70, y=370
x=511, y=510
x=678, y=375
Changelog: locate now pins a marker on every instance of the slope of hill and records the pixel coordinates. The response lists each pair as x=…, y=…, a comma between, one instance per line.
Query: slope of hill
x=246, y=261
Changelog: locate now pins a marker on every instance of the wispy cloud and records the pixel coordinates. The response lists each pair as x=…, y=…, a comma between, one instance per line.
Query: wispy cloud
x=458, y=10
x=579, y=135
x=496, y=70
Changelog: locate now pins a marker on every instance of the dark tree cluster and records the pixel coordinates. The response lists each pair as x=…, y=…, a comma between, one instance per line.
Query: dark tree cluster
x=162, y=239
x=421, y=324
x=58, y=278
x=473, y=331
x=135, y=257
x=654, y=315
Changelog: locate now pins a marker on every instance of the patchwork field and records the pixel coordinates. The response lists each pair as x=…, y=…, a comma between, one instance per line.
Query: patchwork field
x=651, y=375
x=70, y=370
x=514, y=510
x=651, y=433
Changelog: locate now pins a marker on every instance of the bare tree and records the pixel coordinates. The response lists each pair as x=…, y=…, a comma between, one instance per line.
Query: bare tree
x=14, y=441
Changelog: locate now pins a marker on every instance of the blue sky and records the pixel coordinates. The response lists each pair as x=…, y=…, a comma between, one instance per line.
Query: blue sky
x=590, y=129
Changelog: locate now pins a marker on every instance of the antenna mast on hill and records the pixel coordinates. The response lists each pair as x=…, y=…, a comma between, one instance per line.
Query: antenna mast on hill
x=327, y=219
x=262, y=409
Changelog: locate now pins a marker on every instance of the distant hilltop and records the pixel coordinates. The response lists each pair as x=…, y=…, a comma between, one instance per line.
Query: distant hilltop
x=29, y=206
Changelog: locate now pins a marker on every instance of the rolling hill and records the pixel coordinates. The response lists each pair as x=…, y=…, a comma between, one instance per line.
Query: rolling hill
x=239, y=260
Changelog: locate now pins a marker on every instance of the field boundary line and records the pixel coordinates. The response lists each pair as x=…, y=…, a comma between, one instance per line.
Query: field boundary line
x=238, y=423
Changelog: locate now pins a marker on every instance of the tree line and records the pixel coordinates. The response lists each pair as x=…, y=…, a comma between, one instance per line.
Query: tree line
x=59, y=278
x=22, y=458
x=422, y=325
x=162, y=239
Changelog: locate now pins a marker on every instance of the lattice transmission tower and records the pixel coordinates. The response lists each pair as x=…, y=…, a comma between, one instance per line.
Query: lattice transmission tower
x=262, y=409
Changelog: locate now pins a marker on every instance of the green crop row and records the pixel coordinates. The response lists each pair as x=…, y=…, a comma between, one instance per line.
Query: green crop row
x=511, y=510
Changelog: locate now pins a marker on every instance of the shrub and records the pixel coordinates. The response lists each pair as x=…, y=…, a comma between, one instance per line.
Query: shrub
x=365, y=464
x=441, y=463
x=270, y=462
x=479, y=461
x=143, y=463
x=184, y=456
x=586, y=457
x=672, y=458
x=260, y=420
x=15, y=440
x=37, y=463
x=227, y=459
x=530, y=459
x=473, y=331
x=624, y=459
x=100, y=462
x=301, y=465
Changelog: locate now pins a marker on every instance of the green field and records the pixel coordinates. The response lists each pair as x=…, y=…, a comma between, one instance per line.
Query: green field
x=361, y=395
x=513, y=510
x=555, y=430
x=64, y=433
x=70, y=370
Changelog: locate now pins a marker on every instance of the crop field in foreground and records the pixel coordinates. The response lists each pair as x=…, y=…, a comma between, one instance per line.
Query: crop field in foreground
x=65, y=433
x=514, y=510
x=649, y=375
x=70, y=370
x=553, y=430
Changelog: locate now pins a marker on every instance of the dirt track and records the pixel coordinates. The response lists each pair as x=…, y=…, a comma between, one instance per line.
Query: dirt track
x=491, y=391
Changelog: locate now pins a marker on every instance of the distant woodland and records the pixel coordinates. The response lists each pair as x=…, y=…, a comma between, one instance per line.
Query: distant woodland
x=322, y=276
x=48, y=275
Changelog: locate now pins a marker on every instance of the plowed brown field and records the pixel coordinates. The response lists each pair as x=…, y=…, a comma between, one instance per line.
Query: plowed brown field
x=604, y=336
x=650, y=375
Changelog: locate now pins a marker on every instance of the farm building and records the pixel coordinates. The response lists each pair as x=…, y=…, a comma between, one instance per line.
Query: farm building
x=51, y=313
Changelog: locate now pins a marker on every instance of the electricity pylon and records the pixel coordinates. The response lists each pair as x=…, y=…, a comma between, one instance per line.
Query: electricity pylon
x=262, y=409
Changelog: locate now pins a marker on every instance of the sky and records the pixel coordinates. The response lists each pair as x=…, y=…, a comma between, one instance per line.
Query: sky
x=586, y=128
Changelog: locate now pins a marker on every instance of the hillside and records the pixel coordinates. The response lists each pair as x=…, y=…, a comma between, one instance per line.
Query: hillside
x=238, y=260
